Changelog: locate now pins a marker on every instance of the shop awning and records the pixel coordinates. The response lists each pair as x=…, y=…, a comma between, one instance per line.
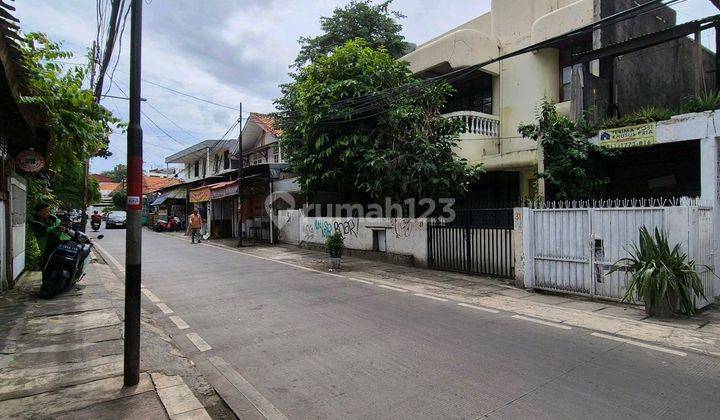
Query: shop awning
x=160, y=199
x=198, y=195
x=223, y=189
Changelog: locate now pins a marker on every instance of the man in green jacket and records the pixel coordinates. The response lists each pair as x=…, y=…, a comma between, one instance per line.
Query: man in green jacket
x=48, y=231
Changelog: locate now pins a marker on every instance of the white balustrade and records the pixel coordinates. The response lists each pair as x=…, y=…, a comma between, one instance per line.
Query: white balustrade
x=476, y=124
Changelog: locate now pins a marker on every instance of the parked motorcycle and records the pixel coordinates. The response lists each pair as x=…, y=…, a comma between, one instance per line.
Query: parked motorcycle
x=171, y=225
x=66, y=264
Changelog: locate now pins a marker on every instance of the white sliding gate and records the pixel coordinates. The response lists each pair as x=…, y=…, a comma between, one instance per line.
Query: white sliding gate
x=572, y=249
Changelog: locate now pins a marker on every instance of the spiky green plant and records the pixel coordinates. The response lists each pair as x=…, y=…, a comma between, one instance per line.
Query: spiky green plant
x=700, y=103
x=641, y=116
x=659, y=272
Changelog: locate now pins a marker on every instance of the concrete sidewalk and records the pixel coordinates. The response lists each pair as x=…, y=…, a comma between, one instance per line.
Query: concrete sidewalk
x=699, y=334
x=63, y=358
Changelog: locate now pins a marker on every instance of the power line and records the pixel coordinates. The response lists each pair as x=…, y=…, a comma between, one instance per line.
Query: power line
x=372, y=101
x=171, y=121
x=151, y=120
x=189, y=95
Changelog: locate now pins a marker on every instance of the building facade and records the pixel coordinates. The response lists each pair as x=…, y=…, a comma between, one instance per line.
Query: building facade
x=495, y=100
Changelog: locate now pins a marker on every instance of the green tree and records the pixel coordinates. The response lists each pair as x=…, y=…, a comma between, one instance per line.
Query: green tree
x=375, y=23
x=568, y=154
x=78, y=127
x=402, y=150
x=117, y=174
x=119, y=199
x=67, y=186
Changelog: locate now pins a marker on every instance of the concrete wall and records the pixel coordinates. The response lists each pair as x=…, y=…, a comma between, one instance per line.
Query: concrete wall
x=404, y=237
x=665, y=70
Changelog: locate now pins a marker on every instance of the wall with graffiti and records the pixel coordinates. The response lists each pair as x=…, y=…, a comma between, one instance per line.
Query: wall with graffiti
x=402, y=236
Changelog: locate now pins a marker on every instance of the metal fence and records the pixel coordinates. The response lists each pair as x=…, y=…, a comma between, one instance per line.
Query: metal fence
x=573, y=249
x=486, y=251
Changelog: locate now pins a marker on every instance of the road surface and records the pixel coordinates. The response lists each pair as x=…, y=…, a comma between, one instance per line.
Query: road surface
x=312, y=345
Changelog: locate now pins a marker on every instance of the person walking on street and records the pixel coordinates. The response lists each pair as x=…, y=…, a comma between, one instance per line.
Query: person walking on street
x=195, y=223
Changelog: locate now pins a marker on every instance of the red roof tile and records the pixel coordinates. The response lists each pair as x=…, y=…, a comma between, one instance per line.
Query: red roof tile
x=154, y=183
x=101, y=178
x=267, y=122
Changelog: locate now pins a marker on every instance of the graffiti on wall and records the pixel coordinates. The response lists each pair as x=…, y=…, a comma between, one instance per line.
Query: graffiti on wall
x=323, y=228
x=403, y=228
x=348, y=227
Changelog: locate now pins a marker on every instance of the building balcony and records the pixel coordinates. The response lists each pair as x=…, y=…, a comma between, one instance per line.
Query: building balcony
x=476, y=125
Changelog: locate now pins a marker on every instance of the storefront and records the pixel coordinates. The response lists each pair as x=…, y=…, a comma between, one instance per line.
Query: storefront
x=200, y=200
x=224, y=209
x=169, y=204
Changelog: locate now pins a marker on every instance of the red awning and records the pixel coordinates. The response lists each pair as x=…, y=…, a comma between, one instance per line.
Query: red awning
x=223, y=189
x=198, y=195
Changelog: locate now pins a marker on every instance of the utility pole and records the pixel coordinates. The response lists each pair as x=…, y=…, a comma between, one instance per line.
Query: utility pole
x=240, y=169
x=133, y=234
x=97, y=85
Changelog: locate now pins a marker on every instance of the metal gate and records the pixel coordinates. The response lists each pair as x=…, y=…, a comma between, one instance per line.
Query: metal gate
x=574, y=248
x=477, y=249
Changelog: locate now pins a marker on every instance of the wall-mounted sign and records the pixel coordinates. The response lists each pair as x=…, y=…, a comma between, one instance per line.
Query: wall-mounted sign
x=632, y=136
x=29, y=161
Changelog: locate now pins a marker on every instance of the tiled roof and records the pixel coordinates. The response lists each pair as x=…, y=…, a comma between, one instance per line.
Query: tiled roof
x=267, y=122
x=101, y=178
x=153, y=183
x=108, y=186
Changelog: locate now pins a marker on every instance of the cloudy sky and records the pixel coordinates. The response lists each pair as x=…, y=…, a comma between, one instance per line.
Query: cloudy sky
x=224, y=51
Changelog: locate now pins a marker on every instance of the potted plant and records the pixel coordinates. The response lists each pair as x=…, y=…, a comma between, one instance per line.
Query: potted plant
x=334, y=245
x=663, y=277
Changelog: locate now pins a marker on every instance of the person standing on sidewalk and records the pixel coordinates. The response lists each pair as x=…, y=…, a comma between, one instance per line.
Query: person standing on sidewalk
x=195, y=223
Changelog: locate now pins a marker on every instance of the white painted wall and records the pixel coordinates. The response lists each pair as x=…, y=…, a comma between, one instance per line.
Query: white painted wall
x=403, y=236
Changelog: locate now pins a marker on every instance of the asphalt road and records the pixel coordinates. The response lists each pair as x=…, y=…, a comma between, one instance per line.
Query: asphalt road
x=318, y=346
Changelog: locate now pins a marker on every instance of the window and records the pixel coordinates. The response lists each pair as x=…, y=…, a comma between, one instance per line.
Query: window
x=567, y=67
x=216, y=163
x=226, y=159
x=472, y=94
x=197, y=168
x=566, y=81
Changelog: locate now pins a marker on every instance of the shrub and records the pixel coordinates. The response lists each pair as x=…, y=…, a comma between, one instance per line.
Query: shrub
x=33, y=257
x=334, y=244
x=700, y=103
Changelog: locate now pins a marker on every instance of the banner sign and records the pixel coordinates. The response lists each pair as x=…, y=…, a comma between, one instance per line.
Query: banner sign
x=632, y=136
x=199, y=195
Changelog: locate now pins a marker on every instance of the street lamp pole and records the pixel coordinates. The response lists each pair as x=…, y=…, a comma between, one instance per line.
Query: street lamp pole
x=133, y=235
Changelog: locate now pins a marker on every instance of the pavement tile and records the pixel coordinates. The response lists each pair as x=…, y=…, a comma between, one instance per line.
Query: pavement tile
x=164, y=381
x=548, y=299
x=178, y=399
x=60, y=324
x=74, y=397
x=624, y=312
x=199, y=414
x=142, y=406
x=585, y=305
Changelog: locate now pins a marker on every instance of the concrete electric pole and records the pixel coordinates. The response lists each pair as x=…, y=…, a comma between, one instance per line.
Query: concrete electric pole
x=133, y=235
